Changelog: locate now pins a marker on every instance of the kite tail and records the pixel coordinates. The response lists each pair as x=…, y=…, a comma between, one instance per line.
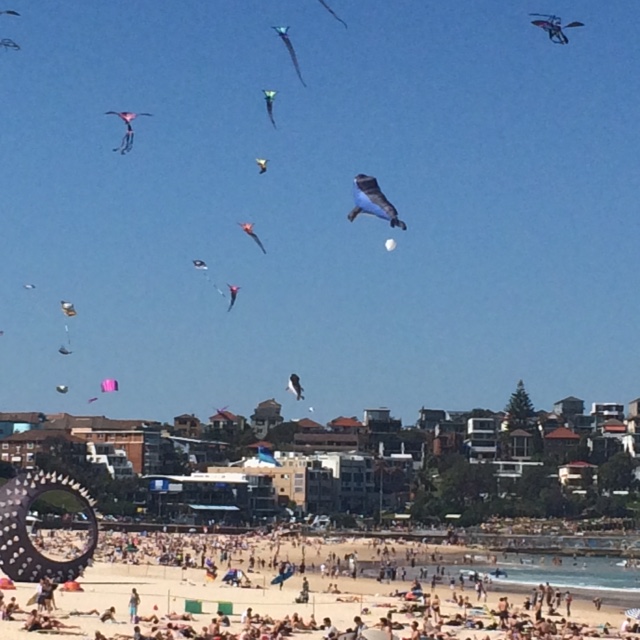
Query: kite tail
x=396, y=222
x=294, y=59
x=333, y=13
x=270, y=112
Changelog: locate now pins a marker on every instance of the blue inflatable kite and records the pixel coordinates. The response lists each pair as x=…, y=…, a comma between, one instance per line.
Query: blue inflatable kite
x=369, y=199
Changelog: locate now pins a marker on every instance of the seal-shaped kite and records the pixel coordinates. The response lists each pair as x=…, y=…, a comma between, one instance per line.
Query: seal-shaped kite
x=270, y=96
x=370, y=199
x=283, y=32
x=127, y=117
x=233, y=292
x=247, y=227
x=553, y=26
x=295, y=387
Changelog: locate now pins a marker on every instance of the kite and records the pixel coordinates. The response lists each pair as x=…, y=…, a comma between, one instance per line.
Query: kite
x=90, y=400
x=62, y=388
x=127, y=117
x=223, y=412
x=552, y=25
x=201, y=265
x=333, y=13
x=369, y=199
x=295, y=387
x=64, y=351
x=247, y=227
x=29, y=286
x=390, y=244
x=270, y=96
x=283, y=32
x=262, y=163
x=233, y=292
x=68, y=309
x=109, y=385
x=7, y=43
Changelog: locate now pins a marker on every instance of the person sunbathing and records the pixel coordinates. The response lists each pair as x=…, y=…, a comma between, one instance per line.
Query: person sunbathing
x=109, y=615
x=75, y=612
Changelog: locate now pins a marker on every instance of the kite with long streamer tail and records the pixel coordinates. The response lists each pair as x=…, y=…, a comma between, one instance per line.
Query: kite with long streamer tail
x=269, y=97
x=127, y=117
x=283, y=32
x=201, y=265
x=553, y=26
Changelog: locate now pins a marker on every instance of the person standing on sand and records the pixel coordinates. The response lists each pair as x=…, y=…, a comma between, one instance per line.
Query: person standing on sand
x=134, y=603
x=568, y=599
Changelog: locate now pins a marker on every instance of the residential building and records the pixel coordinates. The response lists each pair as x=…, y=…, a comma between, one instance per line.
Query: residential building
x=575, y=475
x=429, y=419
x=633, y=419
x=569, y=407
x=561, y=442
x=482, y=438
x=11, y=423
x=603, y=411
x=520, y=444
x=354, y=475
x=21, y=449
x=187, y=426
x=328, y=441
x=114, y=460
x=266, y=416
x=141, y=442
x=383, y=430
x=604, y=446
x=225, y=424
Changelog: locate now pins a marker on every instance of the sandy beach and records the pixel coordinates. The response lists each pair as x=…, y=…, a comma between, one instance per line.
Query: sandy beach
x=165, y=589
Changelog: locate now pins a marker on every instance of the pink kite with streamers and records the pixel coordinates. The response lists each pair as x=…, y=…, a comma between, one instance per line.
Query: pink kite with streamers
x=109, y=385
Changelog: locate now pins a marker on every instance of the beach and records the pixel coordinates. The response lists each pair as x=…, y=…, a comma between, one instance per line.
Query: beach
x=166, y=589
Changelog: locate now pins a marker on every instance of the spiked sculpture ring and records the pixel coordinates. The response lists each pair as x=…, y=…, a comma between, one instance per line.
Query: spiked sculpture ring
x=19, y=558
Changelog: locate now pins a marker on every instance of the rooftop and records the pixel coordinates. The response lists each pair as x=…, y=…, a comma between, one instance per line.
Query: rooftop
x=562, y=433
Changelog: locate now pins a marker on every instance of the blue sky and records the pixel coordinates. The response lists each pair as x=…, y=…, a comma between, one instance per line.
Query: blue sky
x=513, y=161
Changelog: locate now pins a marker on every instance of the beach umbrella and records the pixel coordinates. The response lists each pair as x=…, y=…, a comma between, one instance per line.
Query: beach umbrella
x=6, y=584
x=633, y=613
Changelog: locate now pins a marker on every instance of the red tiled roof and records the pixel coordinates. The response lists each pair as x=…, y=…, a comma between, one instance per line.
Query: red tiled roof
x=40, y=435
x=261, y=443
x=343, y=422
x=562, y=433
x=614, y=428
x=306, y=423
x=224, y=416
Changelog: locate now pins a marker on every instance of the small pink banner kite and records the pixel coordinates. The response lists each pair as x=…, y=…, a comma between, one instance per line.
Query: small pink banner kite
x=109, y=385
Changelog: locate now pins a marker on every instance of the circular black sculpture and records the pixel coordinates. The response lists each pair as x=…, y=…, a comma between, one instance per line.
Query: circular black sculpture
x=19, y=558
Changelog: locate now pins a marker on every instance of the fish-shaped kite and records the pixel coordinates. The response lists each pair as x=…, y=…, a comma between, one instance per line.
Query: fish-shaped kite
x=283, y=32
x=332, y=12
x=295, y=387
x=247, y=227
x=233, y=292
x=127, y=117
x=370, y=199
x=269, y=97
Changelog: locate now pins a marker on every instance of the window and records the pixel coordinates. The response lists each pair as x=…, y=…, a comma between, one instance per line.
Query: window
x=5, y=445
x=5, y=457
x=346, y=477
x=30, y=445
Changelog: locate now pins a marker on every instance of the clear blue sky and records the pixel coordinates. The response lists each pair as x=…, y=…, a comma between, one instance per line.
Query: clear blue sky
x=513, y=161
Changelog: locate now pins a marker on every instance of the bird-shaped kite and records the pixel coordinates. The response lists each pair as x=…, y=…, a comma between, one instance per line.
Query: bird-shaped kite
x=283, y=32
x=262, y=163
x=270, y=96
x=553, y=26
x=233, y=292
x=68, y=309
x=295, y=387
x=247, y=227
x=62, y=388
x=332, y=12
x=369, y=199
x=127, y=117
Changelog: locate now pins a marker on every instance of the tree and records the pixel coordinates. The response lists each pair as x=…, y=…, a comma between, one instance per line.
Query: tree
x=282, y=434
x=519, y=408
x=618, y=473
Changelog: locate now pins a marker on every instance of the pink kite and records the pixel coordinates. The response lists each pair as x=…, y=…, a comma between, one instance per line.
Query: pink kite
x=109, y=385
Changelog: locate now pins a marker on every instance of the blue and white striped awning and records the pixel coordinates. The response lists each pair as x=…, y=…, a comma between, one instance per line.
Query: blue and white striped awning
x=213, y=507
